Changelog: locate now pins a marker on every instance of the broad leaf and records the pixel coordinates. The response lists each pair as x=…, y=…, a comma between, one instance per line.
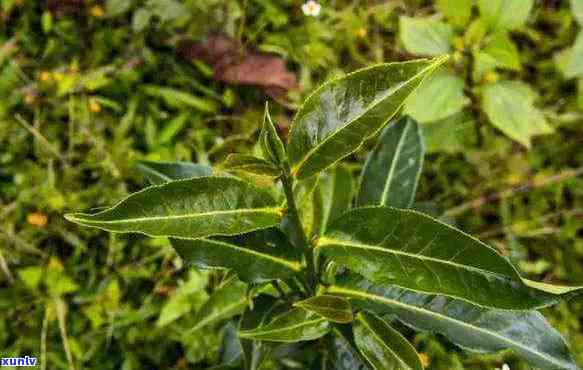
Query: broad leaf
x=459, y=12
x=193, y=208
x=269, y=140
x=333, y=308
x=342, y=355
x=450, y=135
x=499, y=52
x=340, y=115
x=249, y=164
x=570, y=61
x=440, y=96
x=335, y=192
x=504, y=14
x=294, y=325
x=256, y=257
x=382, y=346
x=424, y=36
x=228, y=300
x=510, y=107
x=161, y=172
x=415, y=251
x=393, y=168
x=471, y=327
x=577, y=10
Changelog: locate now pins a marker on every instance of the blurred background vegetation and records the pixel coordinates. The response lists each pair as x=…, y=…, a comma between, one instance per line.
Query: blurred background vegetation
x=88, y=87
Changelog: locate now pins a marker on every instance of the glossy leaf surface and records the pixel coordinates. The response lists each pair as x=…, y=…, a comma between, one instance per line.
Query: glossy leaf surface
x=415, y=251
x=342, y=353
x=471, y=327
x=271, y=145
x=340, y=115
x=250, y=164
x=383, y=347
x=392, y=170
x=228, y=300
x=256, y=257
x=332, y=308
x=335, y=191
x=294, y=325
x=161, y=172
x=192, y=208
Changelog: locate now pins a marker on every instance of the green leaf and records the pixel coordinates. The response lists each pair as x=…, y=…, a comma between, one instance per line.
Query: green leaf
x=161, y=172
x=471, y=327
x=335, y=190
x=332, y=308
x=180, y=99
x=341, y=352
x=570, y=61
x=113, y=8
x=504, y=14
x=193, y=208
x=452, y=134
x=291, y=326
x=382, y=346
x=415, y=251
x=186, y=298
x=440, y=96
x=499, y=52
x=228, y=300
x=393, y=168
x=458, y=12
x=577, y=10
x=271, y=144
x=256, y=257
x=340, y=115
x=249, y=164
x=509, y=105
x=425, y=36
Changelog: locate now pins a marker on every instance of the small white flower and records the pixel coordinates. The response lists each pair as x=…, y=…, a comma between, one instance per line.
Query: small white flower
x=504, y=367
x=311, y=8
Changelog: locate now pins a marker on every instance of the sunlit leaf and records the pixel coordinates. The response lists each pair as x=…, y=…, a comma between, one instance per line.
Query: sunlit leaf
x=333, y=308
x=160, y=172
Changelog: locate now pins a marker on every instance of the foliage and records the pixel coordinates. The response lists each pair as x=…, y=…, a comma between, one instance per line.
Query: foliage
x=232, y=220
x=91, y=86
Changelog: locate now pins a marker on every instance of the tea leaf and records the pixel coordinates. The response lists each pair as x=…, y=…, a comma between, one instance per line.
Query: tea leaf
x=271, y=144
x=160, y=172
x=382, y=346
x=393, y=168
x=250, y=164
x=339, y=116
x=470, y=327
x=256, y=257
x=342, y=353
x=333, y=308
x=294, y=325
x=503, y=14
x=415, y=251
x=193, y=208
x=335, y=191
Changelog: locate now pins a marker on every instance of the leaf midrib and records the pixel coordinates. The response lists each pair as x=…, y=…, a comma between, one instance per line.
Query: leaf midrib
x=296, y=266
x=271, y=331
x=382, y=343
x=389, y=302
x=274, y=210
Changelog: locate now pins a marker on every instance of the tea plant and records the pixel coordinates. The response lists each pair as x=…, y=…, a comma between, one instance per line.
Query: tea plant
x=316, y=269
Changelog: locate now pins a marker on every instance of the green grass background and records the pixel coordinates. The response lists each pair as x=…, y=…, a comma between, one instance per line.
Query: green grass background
x=80, y=102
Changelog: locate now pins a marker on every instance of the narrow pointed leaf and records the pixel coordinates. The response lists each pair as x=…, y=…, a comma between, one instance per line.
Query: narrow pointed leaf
x=472, y=328
x=335, y=190
x=228, y=300
x=382, y=346
x=340, y=115
x=256, y=257
x=192, y=208
x=161, y=172
x=342, y=354
x=330, y=307
x=294, y=325
x=269, y=140
x=250, y=164
x=393, y=168
x=414, y=251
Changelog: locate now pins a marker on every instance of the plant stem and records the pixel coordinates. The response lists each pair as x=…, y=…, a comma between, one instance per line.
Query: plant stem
x=299, y=236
